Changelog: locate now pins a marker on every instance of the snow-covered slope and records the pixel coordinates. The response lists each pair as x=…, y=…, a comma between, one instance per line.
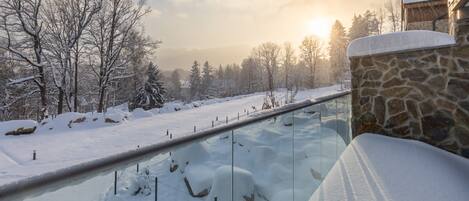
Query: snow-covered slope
x=398, y=41
x=68, y=147
x=376, y=167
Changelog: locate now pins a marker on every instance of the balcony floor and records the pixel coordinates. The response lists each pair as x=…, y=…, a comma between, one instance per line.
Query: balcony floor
x=376, y=167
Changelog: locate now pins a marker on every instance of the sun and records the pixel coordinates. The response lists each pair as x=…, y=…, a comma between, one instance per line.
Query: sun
x=320, y=27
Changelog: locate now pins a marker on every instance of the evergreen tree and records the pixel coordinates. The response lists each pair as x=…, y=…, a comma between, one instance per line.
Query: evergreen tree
x=195, y=80
x=151, y=95
x=207, y=79
x=364, y=25
x=175, y=82
x=337, y=51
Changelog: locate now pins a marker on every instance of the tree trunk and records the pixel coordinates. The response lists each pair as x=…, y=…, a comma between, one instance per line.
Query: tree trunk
x=75, y=93
x=102, y=97
x=60, y=102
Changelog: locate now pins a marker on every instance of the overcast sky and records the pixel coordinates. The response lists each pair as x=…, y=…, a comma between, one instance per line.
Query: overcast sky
x=202, y=24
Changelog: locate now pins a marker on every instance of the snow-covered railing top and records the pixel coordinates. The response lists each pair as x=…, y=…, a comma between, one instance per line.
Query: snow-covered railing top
x=398, y=41
x=413, y=1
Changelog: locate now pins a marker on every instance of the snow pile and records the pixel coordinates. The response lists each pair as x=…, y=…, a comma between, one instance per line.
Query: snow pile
x=398, y=41
x=199, y=178
x=243, y=182
x=192, y=154
x=376, y=167
x=17, y=127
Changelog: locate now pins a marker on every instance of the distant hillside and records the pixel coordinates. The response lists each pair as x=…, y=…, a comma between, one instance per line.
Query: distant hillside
x=171, y=58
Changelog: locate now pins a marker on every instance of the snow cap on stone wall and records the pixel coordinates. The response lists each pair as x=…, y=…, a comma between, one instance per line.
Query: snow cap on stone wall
x=398, y=41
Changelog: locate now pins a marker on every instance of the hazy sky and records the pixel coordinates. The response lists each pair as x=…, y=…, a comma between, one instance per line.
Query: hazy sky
x=202, y=24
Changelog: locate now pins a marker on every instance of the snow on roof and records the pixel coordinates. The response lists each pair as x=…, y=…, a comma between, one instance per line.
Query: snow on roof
x=413, y=1
x=398, y=41
x=375, y=167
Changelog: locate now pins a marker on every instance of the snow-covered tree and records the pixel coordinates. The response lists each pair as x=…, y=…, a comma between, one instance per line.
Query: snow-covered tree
x=337, y=51
x=268, y=54
x=110, y=34
x=310, y=54
x=365, y=24
x=249, y=75
x=174, y=89
x=65, y=22
x=195, y=81
x=21, y=24
x=394, y=14
x=151, y=95
x=207, y=80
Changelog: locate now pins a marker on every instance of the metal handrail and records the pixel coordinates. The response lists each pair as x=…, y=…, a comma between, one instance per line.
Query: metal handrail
x=76, y=174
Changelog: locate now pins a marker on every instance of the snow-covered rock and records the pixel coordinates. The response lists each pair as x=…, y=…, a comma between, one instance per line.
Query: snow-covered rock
x=243, y=181
x=398, y=41
x=61, y=122
x=17, y=127
x=116, y=116
x=194, y=153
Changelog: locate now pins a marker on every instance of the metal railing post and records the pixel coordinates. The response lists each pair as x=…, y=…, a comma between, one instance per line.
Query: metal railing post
x=115, y=182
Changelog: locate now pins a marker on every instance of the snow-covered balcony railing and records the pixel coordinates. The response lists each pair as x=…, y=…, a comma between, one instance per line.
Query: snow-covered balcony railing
x=279, y=155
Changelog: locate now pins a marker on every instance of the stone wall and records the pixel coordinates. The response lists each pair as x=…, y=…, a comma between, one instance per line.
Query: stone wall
x=420, y=94
x=441, y=26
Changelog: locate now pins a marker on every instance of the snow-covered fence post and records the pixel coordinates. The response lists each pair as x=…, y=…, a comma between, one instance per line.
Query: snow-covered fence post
x=167, y=132
x=216, y=118
x=115, y=182
x=171, y=136
x=156, y=188
x=238, y=115
x=226, y=119
x=34, y=155
x=213, y=124
x=195, y=129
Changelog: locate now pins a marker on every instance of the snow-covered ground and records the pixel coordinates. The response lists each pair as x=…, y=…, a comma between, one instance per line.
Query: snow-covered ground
x=69, y=144
x=376, y=167
x=263, y=156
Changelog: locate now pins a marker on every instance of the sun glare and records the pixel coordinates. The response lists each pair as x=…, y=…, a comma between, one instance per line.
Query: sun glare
x=321, y=27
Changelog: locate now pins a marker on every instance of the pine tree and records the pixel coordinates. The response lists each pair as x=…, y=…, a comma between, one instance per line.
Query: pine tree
x=151, y=95
x=175, y=82
x=364, y=25
x=359, y=27
x=207, y=79
x=337, y=50
x=195, y=80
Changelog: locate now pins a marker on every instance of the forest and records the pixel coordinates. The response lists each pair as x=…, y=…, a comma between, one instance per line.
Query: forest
x=60, y=56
